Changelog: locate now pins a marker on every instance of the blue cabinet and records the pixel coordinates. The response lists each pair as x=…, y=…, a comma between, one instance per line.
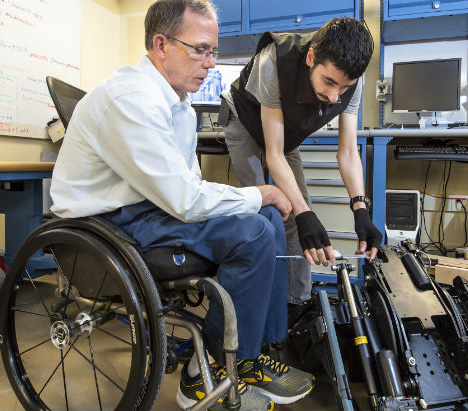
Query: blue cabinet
x=256, y=16
x=296, y=14
x=404, y=9
x=405, y=20
x=230, y=16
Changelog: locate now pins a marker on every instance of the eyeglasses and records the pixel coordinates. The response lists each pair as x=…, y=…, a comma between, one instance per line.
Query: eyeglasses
x=198, y=53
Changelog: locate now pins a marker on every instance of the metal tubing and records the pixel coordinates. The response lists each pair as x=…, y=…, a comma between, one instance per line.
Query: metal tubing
x=348, y=291
x=231, y=369
x=199, y=349
x=335, y=352
x=213, y=397
x=388, y=132
x=360, y=338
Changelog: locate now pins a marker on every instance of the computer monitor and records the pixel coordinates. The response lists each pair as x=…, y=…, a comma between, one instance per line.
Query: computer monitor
x=431, y=85
x=218, y=80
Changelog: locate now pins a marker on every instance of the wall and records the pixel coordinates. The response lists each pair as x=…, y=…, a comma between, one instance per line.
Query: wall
x=101, y=50
x=370, y=108
x=101, y=55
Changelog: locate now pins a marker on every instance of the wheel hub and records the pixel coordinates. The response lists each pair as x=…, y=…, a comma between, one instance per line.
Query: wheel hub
x=60, y=334
x=62, y=331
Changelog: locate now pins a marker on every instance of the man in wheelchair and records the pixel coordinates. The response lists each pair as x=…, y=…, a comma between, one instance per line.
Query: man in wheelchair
x=129, y=156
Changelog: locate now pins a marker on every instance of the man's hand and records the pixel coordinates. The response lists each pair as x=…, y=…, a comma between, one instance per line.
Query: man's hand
x=370, y=238
x=314, y=239
x=272, y=195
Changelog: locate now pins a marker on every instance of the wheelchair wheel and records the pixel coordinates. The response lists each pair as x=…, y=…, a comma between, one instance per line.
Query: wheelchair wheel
x=86, y=337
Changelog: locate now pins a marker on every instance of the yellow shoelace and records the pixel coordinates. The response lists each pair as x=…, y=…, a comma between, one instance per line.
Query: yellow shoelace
x=277, y=366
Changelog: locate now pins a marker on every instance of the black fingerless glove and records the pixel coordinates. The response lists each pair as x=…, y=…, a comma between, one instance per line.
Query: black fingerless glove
x=311, y=232
x=365, y=228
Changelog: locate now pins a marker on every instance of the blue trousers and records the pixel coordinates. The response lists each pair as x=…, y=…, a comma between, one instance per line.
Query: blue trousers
x=245, y=248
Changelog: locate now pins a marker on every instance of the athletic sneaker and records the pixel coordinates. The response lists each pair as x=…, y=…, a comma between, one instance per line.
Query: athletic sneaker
x=283, y=384
x=191, y=390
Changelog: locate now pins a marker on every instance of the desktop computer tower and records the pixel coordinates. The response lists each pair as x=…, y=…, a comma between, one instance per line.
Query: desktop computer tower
x=402, y=215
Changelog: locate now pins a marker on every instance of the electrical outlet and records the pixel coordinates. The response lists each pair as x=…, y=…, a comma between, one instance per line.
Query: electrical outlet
x=459, y=204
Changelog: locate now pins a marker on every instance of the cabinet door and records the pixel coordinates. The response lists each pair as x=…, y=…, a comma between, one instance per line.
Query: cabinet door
x=400, y=9
x=230, y=15
x=296, y=14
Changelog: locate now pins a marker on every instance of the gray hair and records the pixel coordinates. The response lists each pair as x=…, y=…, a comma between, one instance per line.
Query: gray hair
x=166, y=16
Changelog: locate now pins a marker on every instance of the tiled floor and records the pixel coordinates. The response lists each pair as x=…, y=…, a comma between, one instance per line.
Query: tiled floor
x=321, y=399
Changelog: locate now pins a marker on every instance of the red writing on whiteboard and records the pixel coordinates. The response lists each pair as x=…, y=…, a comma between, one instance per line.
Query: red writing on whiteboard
x=7, y=127
x=18, y=19
x=38, y=57
x=38, y=16
x=72, y=67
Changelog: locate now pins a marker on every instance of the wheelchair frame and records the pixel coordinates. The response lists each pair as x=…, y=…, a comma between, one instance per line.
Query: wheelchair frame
x=102, y=276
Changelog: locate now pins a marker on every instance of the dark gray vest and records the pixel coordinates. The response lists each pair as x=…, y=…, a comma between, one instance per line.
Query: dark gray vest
x=303, y=113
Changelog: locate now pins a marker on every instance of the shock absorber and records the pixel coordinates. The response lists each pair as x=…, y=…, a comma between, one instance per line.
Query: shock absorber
x=360, y=337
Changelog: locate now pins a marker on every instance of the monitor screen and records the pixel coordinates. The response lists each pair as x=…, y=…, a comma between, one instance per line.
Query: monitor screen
x=432, y=85
x=218, y=80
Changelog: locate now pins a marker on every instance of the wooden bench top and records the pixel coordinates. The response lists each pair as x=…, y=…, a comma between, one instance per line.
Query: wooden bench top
x=11, y=167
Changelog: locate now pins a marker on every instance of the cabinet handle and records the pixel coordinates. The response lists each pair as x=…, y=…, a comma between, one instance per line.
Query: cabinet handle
x=435, y=4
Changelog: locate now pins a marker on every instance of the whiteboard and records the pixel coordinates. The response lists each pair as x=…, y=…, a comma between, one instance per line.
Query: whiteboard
x=38, y=38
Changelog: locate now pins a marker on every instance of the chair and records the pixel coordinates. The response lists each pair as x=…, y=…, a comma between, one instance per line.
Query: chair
x=102, y=314
x=65, y=97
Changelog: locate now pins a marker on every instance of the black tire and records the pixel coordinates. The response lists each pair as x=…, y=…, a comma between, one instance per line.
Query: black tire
x=115, y=366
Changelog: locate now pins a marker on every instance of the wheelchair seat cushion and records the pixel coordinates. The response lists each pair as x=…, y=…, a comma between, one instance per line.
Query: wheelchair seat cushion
x=165, y=264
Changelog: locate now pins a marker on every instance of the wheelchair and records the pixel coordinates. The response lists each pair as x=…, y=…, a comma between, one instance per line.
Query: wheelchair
x=96, y=322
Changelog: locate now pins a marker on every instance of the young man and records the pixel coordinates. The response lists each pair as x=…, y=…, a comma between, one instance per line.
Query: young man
x=129, y=155
x=294, y=85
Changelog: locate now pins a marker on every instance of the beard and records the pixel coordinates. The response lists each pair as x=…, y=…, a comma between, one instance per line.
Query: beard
x=319, y=98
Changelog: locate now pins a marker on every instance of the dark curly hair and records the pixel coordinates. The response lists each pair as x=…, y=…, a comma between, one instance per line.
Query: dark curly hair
x=345, y=42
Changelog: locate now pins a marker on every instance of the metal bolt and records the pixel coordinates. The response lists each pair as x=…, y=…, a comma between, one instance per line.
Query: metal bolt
x=411, y=361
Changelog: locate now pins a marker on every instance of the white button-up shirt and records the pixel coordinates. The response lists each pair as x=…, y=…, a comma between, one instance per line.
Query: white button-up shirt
x=131, y=139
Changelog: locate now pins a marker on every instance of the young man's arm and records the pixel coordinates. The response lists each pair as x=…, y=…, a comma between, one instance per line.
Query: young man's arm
x=314, y=238
x=350, y=166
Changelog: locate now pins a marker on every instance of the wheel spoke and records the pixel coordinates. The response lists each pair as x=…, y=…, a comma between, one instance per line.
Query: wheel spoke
x=33, y=347
x=94, y=371
x=37, y=291
x=97, y=368
x=99, y=291
x=62, y=357
x=29, y=312
x=66, y=281
x=64, y=380
x=113, y=335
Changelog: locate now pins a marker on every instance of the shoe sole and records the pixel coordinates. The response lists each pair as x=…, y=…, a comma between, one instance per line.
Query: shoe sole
x=183, y=401
x=282, y=400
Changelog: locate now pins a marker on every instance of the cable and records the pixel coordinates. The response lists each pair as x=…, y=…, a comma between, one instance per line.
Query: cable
x=423, y=216
x=440, y=230
x=439, y=245
x=458, y=201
